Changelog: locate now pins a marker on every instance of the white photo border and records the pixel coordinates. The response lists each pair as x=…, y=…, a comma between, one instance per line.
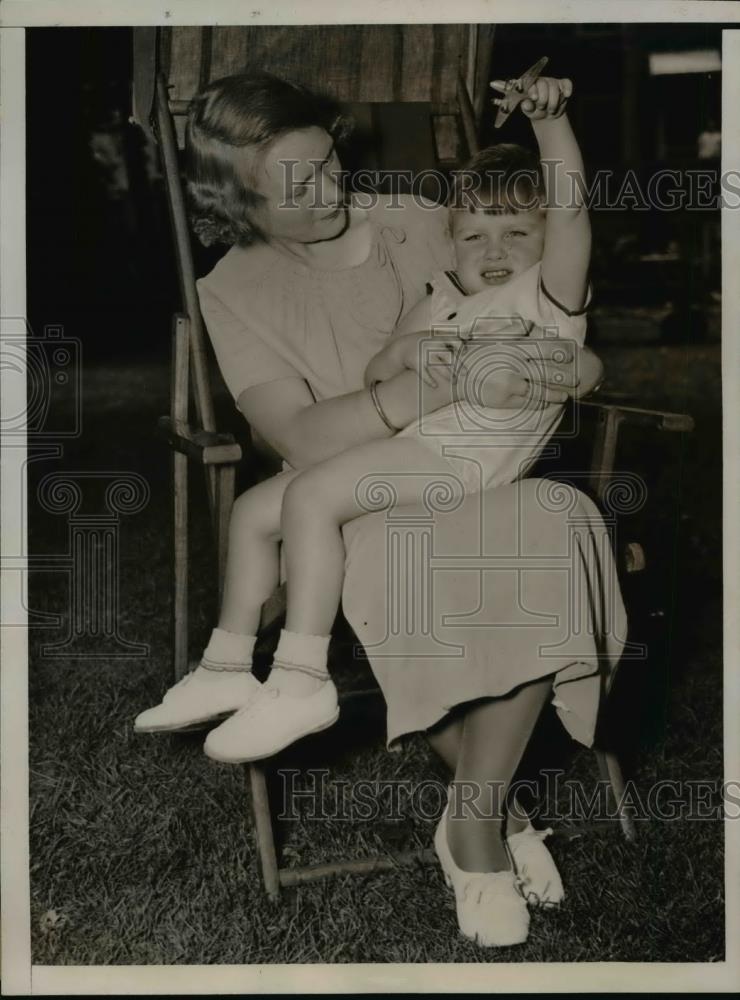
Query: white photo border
x=20, y=977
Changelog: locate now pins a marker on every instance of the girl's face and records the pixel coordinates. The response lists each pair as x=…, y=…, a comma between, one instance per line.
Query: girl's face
x=492, y=249
x=299, y=177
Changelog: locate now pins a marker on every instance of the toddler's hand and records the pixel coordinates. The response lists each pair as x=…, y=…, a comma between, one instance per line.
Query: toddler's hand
x=381, y=367
x=546, y=98
x=431, y=357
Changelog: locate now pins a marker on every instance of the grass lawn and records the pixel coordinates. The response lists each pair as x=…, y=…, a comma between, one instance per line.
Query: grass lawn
x=143, y=847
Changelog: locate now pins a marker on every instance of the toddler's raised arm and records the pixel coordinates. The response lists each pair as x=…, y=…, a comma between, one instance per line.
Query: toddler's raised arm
x=567, y=252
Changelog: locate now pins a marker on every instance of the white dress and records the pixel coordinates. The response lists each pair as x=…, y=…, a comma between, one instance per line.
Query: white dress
x=484, y=446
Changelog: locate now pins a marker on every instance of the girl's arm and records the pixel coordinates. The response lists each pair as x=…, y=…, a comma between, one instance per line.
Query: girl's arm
x=304, y=432
x=402, y=349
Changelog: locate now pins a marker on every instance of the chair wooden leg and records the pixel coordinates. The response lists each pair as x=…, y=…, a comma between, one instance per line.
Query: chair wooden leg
x=181, y=565
x=604, y=450
x=264, y=832
x=224, y=503
x=179, y=394
x=611, y=771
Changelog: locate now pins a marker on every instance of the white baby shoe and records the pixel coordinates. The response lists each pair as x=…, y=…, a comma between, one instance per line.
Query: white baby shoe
x=201, y=696
x=490, y=907
x=272, y=721
x=541, y=882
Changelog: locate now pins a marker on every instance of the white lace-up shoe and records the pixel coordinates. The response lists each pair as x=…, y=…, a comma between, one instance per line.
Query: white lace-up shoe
x=541, y=882
x=201, y=696
x=270, y=722
x=490, y=907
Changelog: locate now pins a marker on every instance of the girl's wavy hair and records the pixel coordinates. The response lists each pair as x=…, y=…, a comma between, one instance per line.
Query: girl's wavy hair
x=232, y=115
x=502, y=179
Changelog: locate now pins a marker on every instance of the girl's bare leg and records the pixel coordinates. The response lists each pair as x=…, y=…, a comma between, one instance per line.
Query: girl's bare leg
x=446, y=741
x=253, y=561
x=494, y=736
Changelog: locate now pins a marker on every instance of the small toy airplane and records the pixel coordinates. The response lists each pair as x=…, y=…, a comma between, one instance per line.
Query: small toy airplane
x=516, y=91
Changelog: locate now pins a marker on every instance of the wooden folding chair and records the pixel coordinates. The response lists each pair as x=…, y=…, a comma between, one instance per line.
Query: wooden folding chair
x=449, y=105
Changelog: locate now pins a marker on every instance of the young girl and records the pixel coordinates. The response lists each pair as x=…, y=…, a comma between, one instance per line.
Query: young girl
x=521, y=272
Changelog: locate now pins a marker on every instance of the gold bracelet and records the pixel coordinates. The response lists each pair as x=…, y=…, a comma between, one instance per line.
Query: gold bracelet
x=379, y=408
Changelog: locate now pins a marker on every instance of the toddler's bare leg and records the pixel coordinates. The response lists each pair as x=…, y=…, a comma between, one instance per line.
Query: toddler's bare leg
x=253, y=560
x=223, y=681
x=319, y=501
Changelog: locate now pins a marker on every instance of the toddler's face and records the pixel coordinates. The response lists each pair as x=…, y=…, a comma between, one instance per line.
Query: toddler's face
x=492, y=249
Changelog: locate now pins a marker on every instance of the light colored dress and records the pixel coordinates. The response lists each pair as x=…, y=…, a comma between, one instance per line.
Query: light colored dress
x=452, y=600
x=270, y=316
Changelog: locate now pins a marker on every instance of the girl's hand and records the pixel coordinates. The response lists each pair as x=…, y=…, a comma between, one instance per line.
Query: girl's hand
x=546, y=98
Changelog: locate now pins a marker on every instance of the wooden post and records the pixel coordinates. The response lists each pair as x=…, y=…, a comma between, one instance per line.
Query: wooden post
x=467, y=116
x=186, y=273
x=225, y=501
x=481, y=92
x=179, y=396
x=264, y=832
x=362, y=866
x=605, y=449
x=471, y=61
x=602, y=467
x=611, y=771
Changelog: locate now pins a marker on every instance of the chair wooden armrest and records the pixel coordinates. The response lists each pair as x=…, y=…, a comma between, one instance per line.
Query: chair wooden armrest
x=611, y=414
x=206, y=447
x=662, y=420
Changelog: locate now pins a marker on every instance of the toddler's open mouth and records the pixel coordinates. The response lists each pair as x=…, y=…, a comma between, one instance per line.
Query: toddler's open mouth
x=496, y=275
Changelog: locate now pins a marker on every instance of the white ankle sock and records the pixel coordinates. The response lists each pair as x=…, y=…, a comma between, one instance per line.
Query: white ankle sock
x=300, y=663
x=227, y=652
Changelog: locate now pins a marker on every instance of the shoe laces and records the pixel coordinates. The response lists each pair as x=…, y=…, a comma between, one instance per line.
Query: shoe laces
x=491, y=886
x=523, y=868
x=529, y=833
